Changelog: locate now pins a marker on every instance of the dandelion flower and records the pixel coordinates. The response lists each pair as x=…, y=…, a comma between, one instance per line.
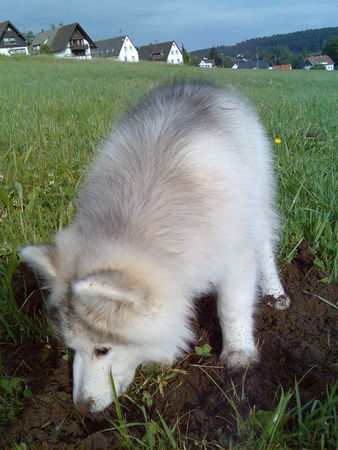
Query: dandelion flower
x=278, y=141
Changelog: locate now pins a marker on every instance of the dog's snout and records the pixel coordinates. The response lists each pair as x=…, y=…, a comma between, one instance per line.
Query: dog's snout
x=84, y=406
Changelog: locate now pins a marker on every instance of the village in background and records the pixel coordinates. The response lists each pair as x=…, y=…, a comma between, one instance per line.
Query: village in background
x=311, y=49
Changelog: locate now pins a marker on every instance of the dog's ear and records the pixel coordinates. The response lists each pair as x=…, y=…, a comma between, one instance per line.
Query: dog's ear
x=106, y=298
x=41, y=258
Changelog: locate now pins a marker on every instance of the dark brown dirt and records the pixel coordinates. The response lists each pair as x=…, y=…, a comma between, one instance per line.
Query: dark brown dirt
x=297, y=343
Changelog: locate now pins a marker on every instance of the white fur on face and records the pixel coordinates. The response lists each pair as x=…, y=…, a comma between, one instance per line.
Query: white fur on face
x=91, y=373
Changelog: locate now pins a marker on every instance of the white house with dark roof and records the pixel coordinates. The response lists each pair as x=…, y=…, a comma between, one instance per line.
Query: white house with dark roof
x=207, y=63
x=11, y=40
x=251, y=64
x=67, y=41
x=161, y=52
x=120, y=48
x=321, y=60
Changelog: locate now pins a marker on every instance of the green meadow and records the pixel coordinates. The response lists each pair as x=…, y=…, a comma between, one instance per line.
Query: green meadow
x=54, y=114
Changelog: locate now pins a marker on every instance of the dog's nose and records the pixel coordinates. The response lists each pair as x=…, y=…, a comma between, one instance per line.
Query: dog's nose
x=84, y=406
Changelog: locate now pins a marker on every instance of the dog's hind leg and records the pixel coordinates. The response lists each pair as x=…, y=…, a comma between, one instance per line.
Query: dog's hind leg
x=269, y=279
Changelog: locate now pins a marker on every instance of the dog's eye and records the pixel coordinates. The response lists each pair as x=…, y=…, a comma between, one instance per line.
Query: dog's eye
x=101, y=351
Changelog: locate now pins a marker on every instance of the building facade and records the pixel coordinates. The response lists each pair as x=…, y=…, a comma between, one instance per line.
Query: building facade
x=322, y=60
x=120, y=48
x=168, y=52
x=67, y=41
x=11, y=40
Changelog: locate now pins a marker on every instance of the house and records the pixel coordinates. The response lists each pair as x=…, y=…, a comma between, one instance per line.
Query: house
x=120, y=48
x=322, y=60
x=207, y=63
x=162, y=52
x=11, y=40
x=67, y=41
x=252, y=64
x=282, y=67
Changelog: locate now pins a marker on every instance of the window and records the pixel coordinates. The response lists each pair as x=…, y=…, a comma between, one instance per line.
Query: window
x=176, y=52
x=125, y=58
x=178, y=61
x=18, y=50
x=131, y=48
x=125, y=48
x=133, y=58
x=9, y=40
x=172, y=52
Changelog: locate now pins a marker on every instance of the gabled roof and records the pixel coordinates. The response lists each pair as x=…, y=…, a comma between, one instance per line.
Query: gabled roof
x=208, y=61
x=322, y=59
x=46, y=37
x=156, y=52
x=5, y=25
x=58, y=39
x=113, y=45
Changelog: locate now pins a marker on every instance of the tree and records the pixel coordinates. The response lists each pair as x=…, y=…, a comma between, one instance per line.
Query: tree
x=45, y=49
x=214, y=55
x=29, y=36
x=330, y=48
x=228, y=62
x=185, y=55
x=194, y=60
x=297, y=61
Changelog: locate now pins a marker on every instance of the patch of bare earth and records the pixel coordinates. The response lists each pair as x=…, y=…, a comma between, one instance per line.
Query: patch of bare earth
x=292, y=343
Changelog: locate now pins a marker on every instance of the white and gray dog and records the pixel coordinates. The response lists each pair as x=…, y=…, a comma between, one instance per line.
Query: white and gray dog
x=180, y=200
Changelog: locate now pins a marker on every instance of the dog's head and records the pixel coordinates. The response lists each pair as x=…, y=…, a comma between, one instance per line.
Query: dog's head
x=110, y=321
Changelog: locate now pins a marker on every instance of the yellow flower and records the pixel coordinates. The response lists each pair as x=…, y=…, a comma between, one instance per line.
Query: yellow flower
x=278, y=141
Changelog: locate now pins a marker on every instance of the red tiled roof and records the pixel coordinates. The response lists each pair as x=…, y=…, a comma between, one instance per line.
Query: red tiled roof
x=282, y=66
x=322, y=59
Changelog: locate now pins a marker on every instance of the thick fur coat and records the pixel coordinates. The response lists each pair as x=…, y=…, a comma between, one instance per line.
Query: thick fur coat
x=180, y=200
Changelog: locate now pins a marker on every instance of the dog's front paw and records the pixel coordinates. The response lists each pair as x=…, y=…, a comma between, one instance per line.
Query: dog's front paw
x=239, y=358
x=281, y=302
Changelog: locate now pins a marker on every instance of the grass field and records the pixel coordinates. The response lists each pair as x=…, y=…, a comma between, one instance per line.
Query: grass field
x=54, y=113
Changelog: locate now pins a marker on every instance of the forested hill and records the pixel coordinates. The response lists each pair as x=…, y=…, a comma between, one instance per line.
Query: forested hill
x=299, y=42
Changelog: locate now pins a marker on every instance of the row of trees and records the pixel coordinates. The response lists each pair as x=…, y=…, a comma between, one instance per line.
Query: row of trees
x=330, y=48
x=299, y=42
x=278, y=49
x=274, y=56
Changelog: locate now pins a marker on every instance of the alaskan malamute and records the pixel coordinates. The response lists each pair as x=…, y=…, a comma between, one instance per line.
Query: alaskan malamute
x=180, y=200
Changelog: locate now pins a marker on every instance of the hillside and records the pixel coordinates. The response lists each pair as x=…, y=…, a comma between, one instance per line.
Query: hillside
x=299, y=42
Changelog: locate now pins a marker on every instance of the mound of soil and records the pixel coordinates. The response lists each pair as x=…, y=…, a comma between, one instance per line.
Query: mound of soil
x=297, y=343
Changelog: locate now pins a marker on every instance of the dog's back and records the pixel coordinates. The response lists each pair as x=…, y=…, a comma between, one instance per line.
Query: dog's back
x=183, y=176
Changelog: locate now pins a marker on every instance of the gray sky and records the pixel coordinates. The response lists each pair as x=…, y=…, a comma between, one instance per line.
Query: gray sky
x=197, y=24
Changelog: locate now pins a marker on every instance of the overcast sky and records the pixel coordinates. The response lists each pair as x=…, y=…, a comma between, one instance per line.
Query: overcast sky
x=197, y=24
